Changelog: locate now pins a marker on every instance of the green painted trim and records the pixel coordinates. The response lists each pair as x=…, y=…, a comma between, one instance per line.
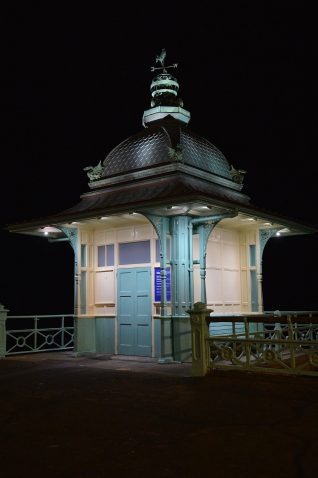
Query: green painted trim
x=264, y=236
x=73, y=237
x=105, y=335
x=85, y=335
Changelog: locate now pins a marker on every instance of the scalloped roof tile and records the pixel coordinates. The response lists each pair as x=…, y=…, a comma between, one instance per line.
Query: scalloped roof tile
x=150, y=148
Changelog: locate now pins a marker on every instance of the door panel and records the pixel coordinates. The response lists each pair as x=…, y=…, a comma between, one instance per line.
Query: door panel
x=134, y=311
x=142, y=337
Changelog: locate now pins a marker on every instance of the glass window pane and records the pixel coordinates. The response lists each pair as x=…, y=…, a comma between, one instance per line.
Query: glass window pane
x=101, y=256
x=254, y=293
x=83, y=292
x=110, y=255
x=134, y=253
x=252, y=255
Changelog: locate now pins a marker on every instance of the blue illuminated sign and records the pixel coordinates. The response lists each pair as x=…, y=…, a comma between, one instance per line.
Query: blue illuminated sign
x=158, y=284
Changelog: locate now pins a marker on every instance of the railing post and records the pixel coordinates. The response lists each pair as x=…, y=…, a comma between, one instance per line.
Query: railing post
x=3, y=335
x=62, y=331
x=35, y=331
x=247, y=344
x=199, y=334
x=291, y=338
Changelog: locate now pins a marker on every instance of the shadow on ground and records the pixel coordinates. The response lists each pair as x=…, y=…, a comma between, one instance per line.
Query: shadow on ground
x=64, y=417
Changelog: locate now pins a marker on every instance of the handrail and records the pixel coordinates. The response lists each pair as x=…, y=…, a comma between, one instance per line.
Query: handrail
x=287, y=343
x=38, y=316
x=266, y=318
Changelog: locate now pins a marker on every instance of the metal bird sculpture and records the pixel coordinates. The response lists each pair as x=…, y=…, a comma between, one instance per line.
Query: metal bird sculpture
x=161, y=58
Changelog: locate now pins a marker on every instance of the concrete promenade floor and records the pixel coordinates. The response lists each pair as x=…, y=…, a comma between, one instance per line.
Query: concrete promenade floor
x=62, y=416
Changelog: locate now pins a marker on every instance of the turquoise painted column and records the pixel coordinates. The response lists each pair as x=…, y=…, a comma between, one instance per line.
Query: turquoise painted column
x=180, y=286
x=180, y=262
x=191, y=299
x=85, y=328
x=203, y=244
x=164, y=230
x=72, y=235
x=161, y=225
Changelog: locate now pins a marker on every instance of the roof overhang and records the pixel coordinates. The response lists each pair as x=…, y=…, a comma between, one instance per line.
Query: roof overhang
x=173, y=194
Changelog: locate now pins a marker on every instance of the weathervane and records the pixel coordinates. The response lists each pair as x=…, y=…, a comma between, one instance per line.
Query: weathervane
x=161, y=59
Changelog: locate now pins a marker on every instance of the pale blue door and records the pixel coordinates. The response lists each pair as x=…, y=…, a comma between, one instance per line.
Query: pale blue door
x=134, y=311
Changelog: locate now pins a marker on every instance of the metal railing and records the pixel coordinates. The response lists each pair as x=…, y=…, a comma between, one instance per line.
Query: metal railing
x=39, y=333
x=287, y=344
x=279, y=342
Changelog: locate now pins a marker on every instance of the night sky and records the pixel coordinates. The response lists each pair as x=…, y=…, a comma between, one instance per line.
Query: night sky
x=75, y=83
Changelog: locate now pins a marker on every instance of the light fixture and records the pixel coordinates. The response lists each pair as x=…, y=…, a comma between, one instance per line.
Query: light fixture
x=285, y=230
x=104, y=217
x=46, y=233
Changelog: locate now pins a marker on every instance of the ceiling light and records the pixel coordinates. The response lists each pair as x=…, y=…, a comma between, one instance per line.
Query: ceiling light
x=282, y=231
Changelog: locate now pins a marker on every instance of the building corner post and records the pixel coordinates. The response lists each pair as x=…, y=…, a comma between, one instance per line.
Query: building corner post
x=3, y=335
x=199, y=335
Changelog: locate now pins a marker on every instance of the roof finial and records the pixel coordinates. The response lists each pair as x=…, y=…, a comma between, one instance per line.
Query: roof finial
x=164, y=90
x=161, y=59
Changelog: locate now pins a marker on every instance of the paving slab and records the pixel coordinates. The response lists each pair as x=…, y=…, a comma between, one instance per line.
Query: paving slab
x=96, y=417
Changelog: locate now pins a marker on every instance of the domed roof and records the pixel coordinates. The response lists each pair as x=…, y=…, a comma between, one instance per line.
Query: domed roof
x=164, y=142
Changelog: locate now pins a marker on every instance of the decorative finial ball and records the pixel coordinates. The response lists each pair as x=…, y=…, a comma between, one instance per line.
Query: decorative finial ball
x=163, y=84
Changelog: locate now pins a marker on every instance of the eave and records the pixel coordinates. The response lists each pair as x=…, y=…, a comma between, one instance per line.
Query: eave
x=153, y=194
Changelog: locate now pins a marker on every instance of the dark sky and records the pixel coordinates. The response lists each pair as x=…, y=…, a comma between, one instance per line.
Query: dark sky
x=75, y=82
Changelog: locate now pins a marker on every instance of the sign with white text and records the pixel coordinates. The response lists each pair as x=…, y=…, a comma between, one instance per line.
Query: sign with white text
x=158, y=284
